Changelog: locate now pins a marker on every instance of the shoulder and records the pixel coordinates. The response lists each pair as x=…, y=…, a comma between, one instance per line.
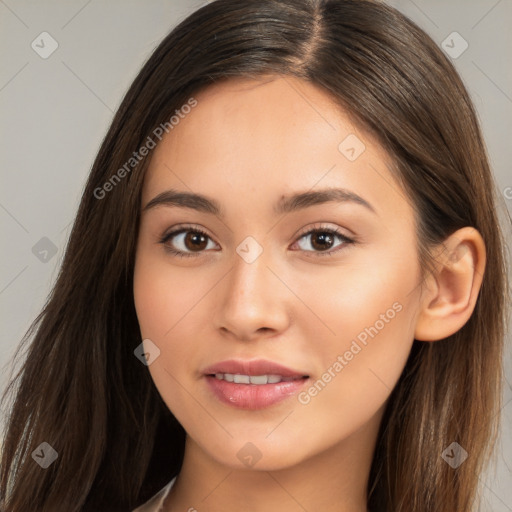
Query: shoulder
x=155, y=503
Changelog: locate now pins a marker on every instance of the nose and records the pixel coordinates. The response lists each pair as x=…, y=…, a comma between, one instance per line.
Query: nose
x=254, y=300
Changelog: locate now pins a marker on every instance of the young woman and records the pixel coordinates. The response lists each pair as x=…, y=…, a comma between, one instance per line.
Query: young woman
x=285, y=287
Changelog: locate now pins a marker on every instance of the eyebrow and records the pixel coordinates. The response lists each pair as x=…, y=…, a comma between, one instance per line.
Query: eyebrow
x=287, y=204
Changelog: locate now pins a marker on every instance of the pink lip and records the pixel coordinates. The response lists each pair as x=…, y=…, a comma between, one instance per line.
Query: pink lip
x=253, y=367
x=252, y=396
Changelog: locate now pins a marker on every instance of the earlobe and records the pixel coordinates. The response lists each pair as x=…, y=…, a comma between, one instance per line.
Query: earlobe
x=450, y=295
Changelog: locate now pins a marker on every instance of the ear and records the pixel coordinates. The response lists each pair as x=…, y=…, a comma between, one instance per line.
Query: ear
x=450, y=294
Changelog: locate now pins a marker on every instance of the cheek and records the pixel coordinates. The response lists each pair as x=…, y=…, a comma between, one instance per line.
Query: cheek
x=162, y=297
x=367, y=317
x=163, y=304
x=169, y=303
x=361, y=367
x=358, y=380
x=359, y=300
x=354, y=382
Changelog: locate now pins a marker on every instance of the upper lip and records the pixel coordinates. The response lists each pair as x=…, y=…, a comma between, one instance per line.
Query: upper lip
x=253, y=368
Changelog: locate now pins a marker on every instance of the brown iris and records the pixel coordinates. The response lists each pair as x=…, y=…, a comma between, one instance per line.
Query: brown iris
x=325, y=239
x=195, y=241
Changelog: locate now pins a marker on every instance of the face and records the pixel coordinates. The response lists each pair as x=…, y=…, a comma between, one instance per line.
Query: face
x=281, y=304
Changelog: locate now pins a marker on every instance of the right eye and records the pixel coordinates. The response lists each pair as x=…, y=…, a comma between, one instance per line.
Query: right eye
x=185, y=241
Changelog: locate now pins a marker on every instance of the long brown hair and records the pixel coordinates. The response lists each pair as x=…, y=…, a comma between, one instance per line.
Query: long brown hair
x=80, y=387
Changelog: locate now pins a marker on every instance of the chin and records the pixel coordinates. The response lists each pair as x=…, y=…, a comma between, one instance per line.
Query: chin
x=259, y=454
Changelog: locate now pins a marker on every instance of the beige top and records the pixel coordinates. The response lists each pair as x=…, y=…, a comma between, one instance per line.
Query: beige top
x=156, y=502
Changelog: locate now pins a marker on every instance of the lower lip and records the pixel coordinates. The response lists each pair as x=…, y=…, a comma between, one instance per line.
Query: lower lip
x=253, y=396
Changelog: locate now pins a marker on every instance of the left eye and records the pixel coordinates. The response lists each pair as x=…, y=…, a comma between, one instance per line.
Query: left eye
x=322, y=240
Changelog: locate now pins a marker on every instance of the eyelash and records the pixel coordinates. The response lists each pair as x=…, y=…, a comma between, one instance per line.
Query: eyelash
x=184, y=229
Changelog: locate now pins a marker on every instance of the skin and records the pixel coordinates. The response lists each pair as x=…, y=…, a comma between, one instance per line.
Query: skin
x=248, y=144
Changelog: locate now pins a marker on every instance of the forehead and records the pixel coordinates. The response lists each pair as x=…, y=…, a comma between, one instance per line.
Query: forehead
x=269, y=136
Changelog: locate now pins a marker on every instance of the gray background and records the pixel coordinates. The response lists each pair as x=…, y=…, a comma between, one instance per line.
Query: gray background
x=55, y=112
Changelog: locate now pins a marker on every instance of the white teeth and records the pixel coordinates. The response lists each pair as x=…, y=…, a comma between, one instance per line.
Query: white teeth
x=258, y=380
x=241, y=379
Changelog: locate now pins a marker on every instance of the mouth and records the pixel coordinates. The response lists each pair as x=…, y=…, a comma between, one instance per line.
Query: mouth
x=253, y=384
x=257, y=380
